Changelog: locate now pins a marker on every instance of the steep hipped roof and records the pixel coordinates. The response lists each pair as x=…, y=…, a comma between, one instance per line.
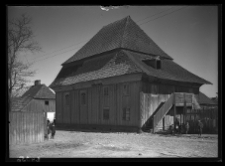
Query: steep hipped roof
x=122, y=62
x=34, y=92
x=118, y=49
x=124, y=33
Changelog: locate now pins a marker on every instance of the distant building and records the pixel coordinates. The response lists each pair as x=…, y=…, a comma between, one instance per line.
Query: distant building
x=28, y=118
x=215, y=100
x=207, y=113
x=122, y=80
x=38, y=98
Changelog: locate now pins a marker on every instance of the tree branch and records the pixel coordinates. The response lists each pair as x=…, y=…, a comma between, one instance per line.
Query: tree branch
x=20, y=40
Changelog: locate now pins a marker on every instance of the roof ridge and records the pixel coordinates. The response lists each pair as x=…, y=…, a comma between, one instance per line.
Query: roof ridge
x=133, y=60
x=115, y=21
x=45, y=88
x=121, y=44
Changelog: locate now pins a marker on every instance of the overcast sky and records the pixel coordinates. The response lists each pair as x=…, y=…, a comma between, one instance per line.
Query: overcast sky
x=189, y=34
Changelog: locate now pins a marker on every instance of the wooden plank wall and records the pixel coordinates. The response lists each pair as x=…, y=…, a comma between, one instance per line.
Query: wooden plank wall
x=59, y=106
x=26, y=127
x=96, y=102
x=37, y=105
x=149, y=103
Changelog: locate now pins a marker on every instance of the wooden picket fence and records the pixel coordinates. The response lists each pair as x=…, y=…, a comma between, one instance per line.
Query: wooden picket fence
x=26, y=127
x=208, y=116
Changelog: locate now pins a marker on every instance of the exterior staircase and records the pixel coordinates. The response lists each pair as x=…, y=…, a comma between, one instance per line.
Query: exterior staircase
x=176, y=99
x=162, y=111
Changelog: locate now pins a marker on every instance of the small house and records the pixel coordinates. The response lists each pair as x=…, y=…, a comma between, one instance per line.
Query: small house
x=27, y=120
x=38, y=98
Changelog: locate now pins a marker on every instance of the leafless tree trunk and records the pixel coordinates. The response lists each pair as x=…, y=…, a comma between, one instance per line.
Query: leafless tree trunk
x=20, y=41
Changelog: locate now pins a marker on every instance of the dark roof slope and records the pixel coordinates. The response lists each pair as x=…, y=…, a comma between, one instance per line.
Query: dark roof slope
x=124, y=33
x=215, y=99
x=204, y=100
x=169, y=70
x=34, y=92
x=113, y=64
x=122, y=62
x=39, y=91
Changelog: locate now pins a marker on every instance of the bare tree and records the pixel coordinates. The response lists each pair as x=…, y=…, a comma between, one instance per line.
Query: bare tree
x=20, y=42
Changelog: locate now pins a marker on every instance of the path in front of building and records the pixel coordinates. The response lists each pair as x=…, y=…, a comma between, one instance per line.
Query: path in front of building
x=69, y=144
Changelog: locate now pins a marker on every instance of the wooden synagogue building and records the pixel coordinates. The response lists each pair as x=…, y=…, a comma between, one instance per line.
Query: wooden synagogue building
x=121, y=80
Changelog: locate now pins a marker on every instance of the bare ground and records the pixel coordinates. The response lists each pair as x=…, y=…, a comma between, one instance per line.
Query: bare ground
x=71, y=144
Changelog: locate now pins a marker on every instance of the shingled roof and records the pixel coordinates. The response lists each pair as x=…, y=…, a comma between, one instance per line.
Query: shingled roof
x=34, y=92
x=118, y=49
x=124, y=33
x=204, y=100
x=122, y=62
x=169, y=70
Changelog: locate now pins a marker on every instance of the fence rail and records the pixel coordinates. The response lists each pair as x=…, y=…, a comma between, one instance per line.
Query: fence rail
x=26, y=127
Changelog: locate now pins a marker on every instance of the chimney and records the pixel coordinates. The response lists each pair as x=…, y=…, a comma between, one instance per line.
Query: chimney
x=37, y=82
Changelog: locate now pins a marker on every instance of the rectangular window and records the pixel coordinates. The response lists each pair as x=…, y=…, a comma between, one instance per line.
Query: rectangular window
x=106, y=114
x=46, y=102
x=158, y=64
x=126, y=89
x=83, y=98
x=126, y=114
x=67, y=100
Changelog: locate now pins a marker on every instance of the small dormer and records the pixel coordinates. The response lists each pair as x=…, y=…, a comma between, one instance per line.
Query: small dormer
x=154, y=62
x=37, y=82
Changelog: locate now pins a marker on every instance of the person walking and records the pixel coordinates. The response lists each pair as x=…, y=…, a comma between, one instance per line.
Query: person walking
x=200, y=126
x=52, y=128
x=187, y=127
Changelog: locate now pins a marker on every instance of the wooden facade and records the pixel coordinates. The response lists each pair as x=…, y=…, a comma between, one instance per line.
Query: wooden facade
x=154, y=94
x=110, y=106
x=122, y=103
x=40, y=105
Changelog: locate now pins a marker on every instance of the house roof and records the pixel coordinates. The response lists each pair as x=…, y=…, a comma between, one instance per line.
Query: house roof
x=169, y=70
x=122, y=62
x=34, y=92
x=215, y=99
x=109, y=65
x=124, y=33
x=204, y=100
x=118, y=49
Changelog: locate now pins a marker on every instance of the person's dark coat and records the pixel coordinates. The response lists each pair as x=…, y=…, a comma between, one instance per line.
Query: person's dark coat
x=52, y=129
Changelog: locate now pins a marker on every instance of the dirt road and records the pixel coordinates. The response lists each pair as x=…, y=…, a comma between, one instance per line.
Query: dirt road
x=69, y=144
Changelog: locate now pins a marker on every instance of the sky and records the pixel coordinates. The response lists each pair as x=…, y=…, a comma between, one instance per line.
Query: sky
x=189, y=34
